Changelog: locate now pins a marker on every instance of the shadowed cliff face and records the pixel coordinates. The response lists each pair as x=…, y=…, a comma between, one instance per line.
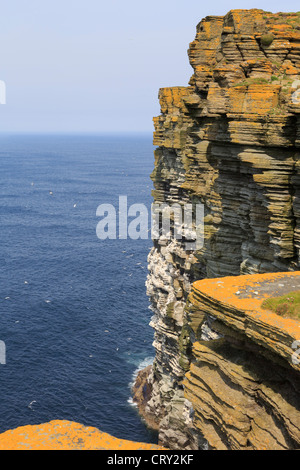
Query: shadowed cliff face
x=230, y=140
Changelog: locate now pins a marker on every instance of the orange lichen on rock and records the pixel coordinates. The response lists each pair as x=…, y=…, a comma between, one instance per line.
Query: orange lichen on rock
x=172, y=122
x=65, y=435
x=243, y=377
x=227, y=289
x=236, y=301
x=256, y=99
x=171, y=99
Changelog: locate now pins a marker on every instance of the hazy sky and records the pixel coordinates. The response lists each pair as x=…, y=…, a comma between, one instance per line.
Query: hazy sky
x=95, y=65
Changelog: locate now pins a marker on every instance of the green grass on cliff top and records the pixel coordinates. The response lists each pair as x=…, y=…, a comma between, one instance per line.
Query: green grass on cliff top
x=287, y=305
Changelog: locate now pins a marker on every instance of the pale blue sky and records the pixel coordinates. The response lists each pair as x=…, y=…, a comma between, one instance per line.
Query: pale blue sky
x=95, y=65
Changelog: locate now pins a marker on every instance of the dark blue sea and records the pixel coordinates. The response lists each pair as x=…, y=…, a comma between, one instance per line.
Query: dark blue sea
x=74, y=313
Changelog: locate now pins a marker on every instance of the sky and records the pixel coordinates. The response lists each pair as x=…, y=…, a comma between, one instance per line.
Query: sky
x=95, y=66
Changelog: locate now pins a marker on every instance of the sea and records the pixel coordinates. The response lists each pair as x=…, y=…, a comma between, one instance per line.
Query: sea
x=74, y=314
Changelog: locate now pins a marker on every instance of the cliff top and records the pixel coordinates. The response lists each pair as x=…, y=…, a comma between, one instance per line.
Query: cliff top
x=65, y=435
x=250, y=48
x=245, y=63
x=237, y=301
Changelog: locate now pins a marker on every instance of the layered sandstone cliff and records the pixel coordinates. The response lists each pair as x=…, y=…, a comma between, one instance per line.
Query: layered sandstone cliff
x=230, y=141
x=244, y=386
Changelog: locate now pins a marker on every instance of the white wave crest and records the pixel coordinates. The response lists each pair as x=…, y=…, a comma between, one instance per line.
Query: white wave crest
x=144, y=363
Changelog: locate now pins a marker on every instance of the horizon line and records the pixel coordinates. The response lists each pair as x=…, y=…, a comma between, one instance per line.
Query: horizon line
x=2, y=133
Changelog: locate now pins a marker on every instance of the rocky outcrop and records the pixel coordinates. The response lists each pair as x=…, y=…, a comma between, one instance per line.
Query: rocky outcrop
x=65, y=435
x=229, y=141
x=244, y=386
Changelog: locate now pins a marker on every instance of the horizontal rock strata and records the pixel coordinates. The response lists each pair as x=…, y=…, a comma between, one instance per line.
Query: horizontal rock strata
x=244, y=386
x=230, y=142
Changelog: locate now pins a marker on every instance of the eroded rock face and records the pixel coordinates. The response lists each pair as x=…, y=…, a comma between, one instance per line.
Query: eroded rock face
x=230, y=141
x=244, y=387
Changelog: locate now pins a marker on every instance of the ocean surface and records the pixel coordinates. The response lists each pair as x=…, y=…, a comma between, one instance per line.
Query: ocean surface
x=74, y=315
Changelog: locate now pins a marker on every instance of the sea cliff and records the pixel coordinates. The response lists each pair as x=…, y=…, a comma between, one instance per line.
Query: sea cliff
x=223, y=377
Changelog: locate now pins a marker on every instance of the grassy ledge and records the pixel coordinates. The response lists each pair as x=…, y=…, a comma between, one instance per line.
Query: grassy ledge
x=287, y=305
